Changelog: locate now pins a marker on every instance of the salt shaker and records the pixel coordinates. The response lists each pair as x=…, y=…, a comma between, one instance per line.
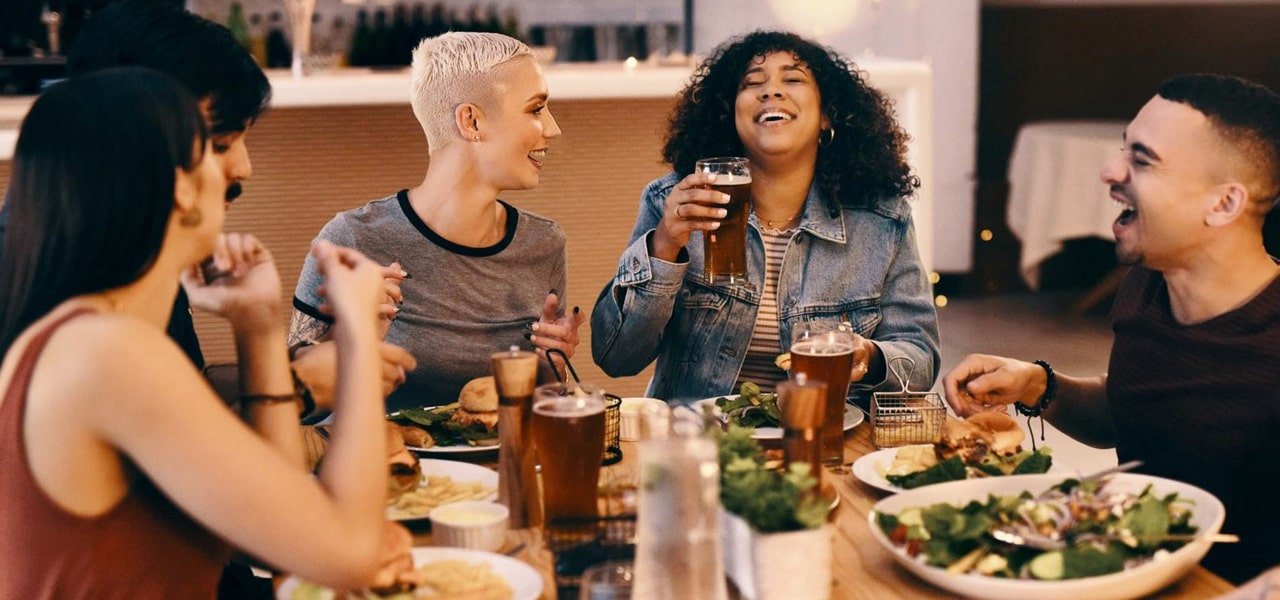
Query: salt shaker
x=515, y=373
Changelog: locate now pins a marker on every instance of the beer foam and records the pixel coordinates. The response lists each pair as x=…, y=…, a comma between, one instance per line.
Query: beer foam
x=569, y=406
x=731, y=179
x=821, y=348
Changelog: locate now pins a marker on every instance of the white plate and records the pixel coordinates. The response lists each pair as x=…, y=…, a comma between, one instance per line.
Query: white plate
x=852, y=417
x=462, y=449
x=1207, y=515
x=525, y=582
x=460, y=472
x=453, y=449
x=869, y=469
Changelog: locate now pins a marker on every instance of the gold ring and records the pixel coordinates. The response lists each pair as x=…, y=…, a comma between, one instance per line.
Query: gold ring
x=678, y=215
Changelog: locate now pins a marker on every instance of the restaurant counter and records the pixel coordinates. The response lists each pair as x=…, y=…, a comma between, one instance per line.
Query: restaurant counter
x=333, y=141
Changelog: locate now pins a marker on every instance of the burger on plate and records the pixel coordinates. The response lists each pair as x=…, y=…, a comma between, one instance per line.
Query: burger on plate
x=478, y=405
x=405, y=471
x=980, y=435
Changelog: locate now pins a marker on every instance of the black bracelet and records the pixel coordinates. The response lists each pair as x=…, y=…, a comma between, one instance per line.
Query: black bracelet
x=1050, y=392
x=304, y=394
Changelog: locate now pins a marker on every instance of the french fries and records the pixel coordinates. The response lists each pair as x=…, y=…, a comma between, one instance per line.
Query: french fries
x=459, y=579
x=439, y=490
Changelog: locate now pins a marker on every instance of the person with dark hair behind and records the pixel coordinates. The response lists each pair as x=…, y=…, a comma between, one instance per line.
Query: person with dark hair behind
x=1193, y=387
x=108, y=476
x=830, y=236
x=232, y=93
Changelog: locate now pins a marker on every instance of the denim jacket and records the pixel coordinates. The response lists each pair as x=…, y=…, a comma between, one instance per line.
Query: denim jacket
x=859, y=265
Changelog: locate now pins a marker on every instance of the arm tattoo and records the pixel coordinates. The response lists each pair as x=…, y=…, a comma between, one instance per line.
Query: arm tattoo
x=304, y=329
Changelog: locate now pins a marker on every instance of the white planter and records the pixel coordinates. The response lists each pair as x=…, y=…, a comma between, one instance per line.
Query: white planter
x=777, y=566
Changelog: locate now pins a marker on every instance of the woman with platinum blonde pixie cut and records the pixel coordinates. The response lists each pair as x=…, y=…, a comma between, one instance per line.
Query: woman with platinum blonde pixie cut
x=829, y=237
x=483, y=275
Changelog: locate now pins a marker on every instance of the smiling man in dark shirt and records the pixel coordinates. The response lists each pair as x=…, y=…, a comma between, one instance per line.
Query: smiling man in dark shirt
x=1194, y=382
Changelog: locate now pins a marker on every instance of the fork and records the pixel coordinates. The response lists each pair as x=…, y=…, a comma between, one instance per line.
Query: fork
x=1010, y=534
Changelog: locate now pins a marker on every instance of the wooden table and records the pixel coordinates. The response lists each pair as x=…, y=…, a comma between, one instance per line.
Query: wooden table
x=862, y=568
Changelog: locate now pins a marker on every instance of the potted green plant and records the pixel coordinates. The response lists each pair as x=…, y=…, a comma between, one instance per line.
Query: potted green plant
x=776, y=540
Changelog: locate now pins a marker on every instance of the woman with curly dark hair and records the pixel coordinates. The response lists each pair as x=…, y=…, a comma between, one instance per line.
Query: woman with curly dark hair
x=830, y=236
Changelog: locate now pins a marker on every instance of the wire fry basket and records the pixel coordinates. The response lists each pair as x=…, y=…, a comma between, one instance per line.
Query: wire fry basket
x=906, y=417
x=612, y=410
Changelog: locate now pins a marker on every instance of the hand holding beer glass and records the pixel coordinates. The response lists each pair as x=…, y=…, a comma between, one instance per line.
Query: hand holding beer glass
x=725, y=248
x=713, y=199
x=824, y=352
x=568, y=431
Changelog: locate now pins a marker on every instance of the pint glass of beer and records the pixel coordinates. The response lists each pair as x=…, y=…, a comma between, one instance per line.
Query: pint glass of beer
x=568, y=431
x=824, y=352
x=725, y=249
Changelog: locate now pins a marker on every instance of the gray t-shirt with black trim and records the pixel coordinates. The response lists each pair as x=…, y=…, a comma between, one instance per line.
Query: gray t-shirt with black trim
x=461, y=303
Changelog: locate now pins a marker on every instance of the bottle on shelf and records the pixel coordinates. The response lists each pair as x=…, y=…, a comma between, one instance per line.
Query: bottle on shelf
x=361, y=52
x=238, y=27
x=492, y=23
x=400, y=45
x=418, y=28
x=511, y=24
x=258, y=39
x=279, y=54
x=438, y=22
x=380, y=45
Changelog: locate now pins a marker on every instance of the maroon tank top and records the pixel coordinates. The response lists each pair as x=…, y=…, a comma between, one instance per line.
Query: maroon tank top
x=144, y=547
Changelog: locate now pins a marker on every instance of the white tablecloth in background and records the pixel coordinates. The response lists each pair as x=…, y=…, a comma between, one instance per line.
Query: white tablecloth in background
x=1054, y=191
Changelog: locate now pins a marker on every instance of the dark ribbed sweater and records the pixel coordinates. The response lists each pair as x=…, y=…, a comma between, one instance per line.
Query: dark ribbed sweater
x=1201, y=404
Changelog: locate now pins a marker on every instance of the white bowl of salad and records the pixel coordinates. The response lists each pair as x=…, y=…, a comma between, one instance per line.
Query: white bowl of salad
x=1130, y=537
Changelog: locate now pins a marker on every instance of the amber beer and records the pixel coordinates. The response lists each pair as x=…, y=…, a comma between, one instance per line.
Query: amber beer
x=568, y=432
x=725, y=249
x=828, y=357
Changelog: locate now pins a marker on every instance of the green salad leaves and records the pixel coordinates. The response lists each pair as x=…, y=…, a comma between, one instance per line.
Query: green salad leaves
x=769, y=500
x=1103, y=532
x=955, y=469
x=751, y=408
x=446, y=432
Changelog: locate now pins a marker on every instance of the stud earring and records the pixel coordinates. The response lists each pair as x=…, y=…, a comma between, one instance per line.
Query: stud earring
x=191, y=218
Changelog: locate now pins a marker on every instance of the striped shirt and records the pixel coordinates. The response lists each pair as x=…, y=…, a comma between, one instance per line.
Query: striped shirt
x=758, y=367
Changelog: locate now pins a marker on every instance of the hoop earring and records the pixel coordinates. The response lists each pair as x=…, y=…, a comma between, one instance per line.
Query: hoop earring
x=829, y=138
x=191, y=218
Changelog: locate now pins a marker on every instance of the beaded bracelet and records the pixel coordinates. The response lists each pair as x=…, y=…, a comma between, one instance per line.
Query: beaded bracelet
x=1050, y=392
x=1031, y=412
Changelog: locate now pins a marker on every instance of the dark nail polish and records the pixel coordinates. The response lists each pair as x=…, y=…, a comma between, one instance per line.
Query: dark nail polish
x=528, y=326
x=576, y=310
x=528, y=336
x=552, y=291
x=407, y=275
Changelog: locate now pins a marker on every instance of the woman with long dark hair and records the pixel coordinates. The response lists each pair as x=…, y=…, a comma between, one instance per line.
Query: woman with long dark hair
x=830, y=236
x=121, y=472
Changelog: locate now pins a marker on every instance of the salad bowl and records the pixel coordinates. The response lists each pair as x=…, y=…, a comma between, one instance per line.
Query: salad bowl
x=1207, y=514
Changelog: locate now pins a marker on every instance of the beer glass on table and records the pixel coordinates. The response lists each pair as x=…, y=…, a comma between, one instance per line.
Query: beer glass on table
x=568, y=432
x=725, y=249
x=824, y=352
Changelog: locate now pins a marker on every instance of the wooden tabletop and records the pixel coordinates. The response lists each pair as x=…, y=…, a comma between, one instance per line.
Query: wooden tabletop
x=861, y=569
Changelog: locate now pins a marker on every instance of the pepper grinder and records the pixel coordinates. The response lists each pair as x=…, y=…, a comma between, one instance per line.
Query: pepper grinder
x=803, y=403
x=515, y=373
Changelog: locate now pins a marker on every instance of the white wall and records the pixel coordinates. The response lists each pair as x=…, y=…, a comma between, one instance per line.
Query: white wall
x=941, y=32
